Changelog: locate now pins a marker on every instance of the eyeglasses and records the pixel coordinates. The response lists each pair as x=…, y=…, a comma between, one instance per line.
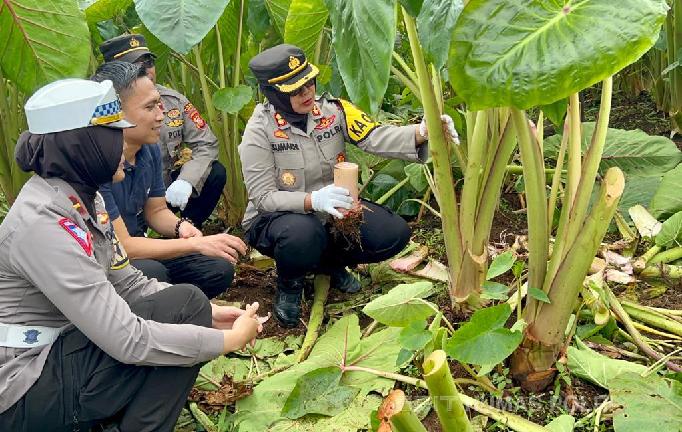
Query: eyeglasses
x=147, y=61
x=300, y=90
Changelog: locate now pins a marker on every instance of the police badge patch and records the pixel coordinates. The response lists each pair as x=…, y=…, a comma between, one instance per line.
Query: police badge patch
x=173, y=114
x=288, y=178
x=279, y=133
x=80, y=235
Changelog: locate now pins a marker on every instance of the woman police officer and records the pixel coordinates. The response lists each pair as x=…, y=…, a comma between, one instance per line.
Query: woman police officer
x=288, y=152
x=81, y=331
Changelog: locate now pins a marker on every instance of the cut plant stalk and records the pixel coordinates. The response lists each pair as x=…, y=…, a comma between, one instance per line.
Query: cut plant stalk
x=632, y=331
x=321, y=284
x=652, y=318
x=397, y=411
x=444, y=394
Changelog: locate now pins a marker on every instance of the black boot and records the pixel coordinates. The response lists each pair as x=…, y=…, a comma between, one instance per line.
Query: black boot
x=287, y=304
x=343, y=281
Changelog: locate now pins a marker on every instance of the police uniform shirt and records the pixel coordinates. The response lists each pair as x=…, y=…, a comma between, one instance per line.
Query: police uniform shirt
x=182, y=123
x=60, y=267
x=282, y=163
x=142, y=181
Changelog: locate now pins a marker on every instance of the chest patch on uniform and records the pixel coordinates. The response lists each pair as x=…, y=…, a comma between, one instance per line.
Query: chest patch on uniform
x=358, y=123
x=194, y=115
x=175, y=123
x=120, y=257
x=173, y=114
x=325, y=122
x=288, y=178
x=80, y=235
x=103, y=218
x=279, y=133
x=284, y=146
x=280, y=120
x=77, y=205
x=316, y=110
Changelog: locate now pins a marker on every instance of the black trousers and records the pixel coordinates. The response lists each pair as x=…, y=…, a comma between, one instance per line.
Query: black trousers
x=200, y=207
x=212, y=275
x=302, y=243
x=81, y=386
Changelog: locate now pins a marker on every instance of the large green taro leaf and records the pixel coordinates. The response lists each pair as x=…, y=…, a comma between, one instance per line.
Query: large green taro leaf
x=278, y=10
x=180, y=24
x=633, y=151
x=304, y=24
x=434, y=24
x=263, y=409
x=363, y=34
x=667, y=199
x=103, y=10
x=646, y=404
x=528, y=53
x=41, y=41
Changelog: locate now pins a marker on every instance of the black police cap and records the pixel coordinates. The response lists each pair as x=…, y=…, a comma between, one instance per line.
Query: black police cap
x=283, y=67
x=127, y=48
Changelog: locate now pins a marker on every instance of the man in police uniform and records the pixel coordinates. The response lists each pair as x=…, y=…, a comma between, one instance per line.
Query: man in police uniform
x=192, y=174
x=288, y=152
x=85, y=339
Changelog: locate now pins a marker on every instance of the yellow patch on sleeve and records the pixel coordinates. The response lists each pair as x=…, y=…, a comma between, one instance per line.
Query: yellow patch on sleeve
x=358, y=123
x=119, y=259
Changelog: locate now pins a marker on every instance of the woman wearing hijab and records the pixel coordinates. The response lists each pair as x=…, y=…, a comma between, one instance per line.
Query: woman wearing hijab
x=288, y=152
x=85, y=339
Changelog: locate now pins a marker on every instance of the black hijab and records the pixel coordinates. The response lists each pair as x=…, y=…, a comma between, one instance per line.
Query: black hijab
x=282, y=103
x=85, y=158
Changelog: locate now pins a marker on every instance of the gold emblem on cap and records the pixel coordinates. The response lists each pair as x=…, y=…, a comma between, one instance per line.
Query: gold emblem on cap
x=134, y=43
x=288, y=178
x=294, y=62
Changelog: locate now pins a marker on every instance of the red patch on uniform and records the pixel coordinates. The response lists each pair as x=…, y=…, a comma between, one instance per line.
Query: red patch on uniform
x=341, y=157
x=77, y=205
x=280, y=120
x=194, y=115
x=281, y=134
x=325, y=122
x=316, y=110
x=79, y=234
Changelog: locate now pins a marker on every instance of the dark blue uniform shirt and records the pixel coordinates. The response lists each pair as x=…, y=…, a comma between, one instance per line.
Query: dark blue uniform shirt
x=128, y=197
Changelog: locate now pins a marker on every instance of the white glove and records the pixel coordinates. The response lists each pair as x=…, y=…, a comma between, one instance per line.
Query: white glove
x=329, y=198
x=178, y=193
x=446, y=120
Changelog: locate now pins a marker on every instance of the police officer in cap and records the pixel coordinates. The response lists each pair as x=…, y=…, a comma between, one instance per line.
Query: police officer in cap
x=288, y=152
x=193, y=186
x=85, y=339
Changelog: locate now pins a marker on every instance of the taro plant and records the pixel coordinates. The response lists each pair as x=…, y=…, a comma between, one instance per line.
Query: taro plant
x=364, y=47
x=43, y=41
x=521, y=58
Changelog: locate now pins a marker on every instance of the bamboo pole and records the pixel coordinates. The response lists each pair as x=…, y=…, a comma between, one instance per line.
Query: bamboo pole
x=346, y=176
x=444, y=394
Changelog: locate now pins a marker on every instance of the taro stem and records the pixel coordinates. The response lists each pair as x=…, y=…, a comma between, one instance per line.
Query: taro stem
x=440, y=155
x=444, y=394
x=532, y=364
x=396, y=410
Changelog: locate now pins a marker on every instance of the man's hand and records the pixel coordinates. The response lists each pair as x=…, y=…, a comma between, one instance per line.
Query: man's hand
x=223, y=246
x=178, y=193
x=188, y=230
